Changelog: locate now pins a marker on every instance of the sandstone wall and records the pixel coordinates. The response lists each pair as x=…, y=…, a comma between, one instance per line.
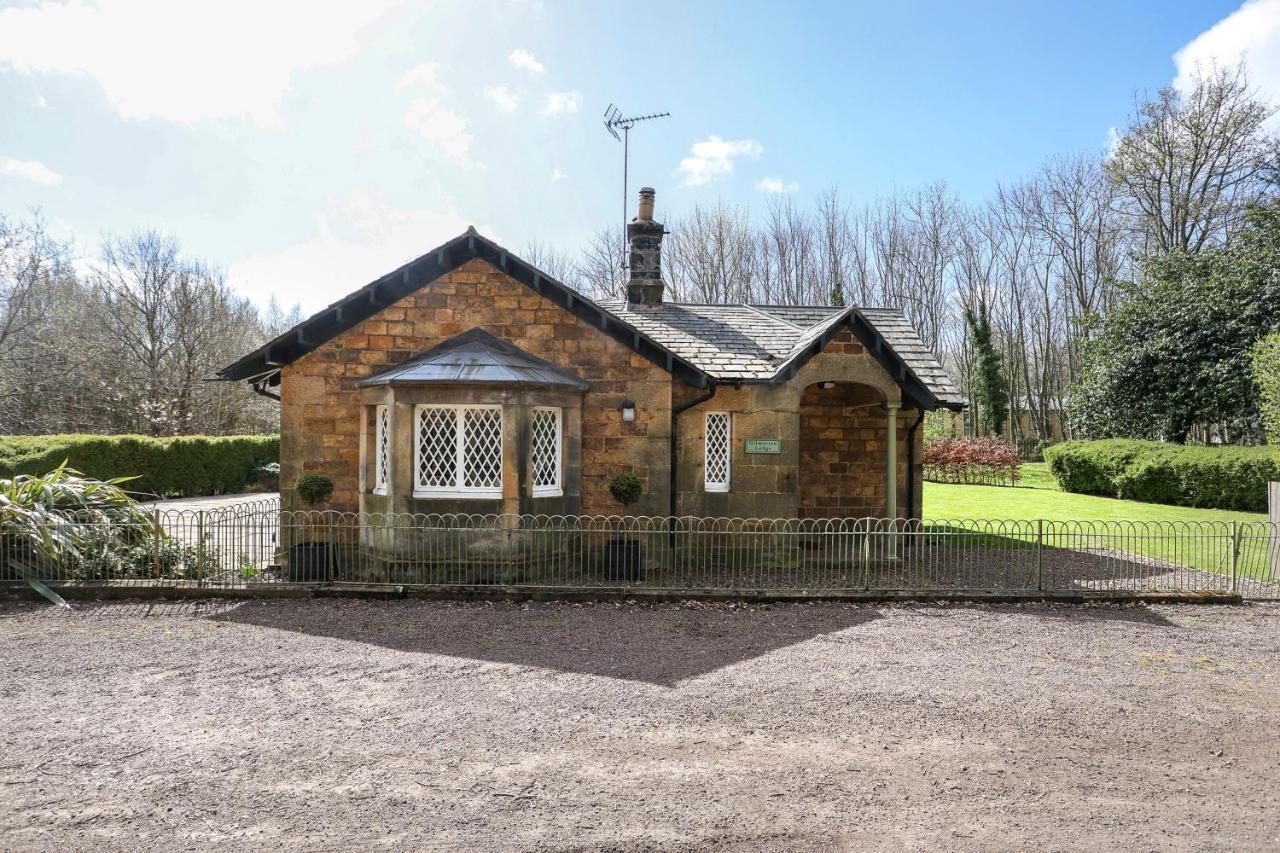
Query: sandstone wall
x=321, y=411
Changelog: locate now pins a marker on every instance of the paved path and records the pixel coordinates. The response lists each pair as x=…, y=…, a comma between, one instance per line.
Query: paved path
x=212, y=502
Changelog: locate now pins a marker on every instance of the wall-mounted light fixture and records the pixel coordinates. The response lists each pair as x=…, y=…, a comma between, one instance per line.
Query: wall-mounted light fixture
x=828, y=385
x=628, y=411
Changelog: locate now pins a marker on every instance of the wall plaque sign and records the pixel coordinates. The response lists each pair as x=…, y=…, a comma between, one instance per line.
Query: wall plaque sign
x=764, y=445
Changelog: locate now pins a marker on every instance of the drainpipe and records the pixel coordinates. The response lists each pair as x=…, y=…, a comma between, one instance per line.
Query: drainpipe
x=911, y=464
x=675, y=432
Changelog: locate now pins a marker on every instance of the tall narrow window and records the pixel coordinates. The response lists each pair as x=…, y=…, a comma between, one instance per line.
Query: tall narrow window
x=458, y=451
x=545, y=452
x=381, y=445
x=716, y=466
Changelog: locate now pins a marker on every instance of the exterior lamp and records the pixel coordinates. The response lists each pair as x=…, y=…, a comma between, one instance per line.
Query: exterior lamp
x=828, y=385
x=628, y=411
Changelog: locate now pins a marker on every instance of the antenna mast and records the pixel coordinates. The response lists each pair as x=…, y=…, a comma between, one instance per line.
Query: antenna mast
x=614, y=121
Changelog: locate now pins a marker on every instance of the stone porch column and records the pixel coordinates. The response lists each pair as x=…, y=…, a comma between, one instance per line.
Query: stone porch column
x=891, y=478
x=891, y=460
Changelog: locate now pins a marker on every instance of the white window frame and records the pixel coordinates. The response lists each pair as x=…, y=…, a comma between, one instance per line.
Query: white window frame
x=457, y=490
x=381, y=448
x=707, y=483
x=556, y=489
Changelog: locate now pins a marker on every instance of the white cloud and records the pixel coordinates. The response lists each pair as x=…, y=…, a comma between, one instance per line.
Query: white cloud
x=1113, y=140
x=562, y=102
x=355, y=242
x=777, y=185
x=557, y=175
x=440, y=127
x=32, y=170
x=1251, y=33
x=425, y=75
x=41, y=103
x=714, y=156
x=185, y=62
x=523, y=59
x=503, y=98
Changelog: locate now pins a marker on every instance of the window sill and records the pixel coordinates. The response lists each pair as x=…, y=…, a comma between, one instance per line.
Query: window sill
x=548, y=493
x=381, y=491
x=717, y=489
x=457, y=495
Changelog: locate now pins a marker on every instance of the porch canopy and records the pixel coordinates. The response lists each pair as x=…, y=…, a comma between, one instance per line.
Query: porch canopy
x=475, y=358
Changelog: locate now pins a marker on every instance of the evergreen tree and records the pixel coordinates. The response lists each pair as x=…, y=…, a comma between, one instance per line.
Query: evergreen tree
x=1175, y=356
x=990, y=391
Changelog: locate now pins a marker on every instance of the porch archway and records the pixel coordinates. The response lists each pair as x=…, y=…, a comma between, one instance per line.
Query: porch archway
x=845, y=451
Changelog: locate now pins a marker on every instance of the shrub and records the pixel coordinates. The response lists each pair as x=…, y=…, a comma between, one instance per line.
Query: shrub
x=63, y=516
x=1091, y=467
x=185, y=466
x=626, y=488
x=314, y=488
x=1266, y=376
x=265, y=478
x=985, y=461
x=159, y=558
x=1157, y=472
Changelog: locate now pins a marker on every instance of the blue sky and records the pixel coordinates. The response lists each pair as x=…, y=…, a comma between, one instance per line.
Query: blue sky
x=308, y=148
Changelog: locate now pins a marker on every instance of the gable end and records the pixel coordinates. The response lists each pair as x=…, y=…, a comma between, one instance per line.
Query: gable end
x=263, y=364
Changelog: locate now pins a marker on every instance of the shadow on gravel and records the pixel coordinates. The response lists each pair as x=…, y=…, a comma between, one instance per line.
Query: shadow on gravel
x=658, y=645
x=1133, y=614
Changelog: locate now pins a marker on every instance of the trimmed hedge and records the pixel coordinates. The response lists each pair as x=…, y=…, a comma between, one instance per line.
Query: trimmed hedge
x=1157, y=472
x=183, y=466
x=981, y=461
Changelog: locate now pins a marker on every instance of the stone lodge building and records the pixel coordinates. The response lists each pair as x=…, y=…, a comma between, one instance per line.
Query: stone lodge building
x=470, y=381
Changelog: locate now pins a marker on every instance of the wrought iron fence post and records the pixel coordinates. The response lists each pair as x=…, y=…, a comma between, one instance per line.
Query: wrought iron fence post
x=200, y=547
x=866, y=557
x=330, y=529
x=156, y=533
x=1039, y=555
x=1234, y=557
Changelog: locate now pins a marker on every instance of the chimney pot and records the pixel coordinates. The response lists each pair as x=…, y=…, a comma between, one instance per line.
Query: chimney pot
x=646, y=204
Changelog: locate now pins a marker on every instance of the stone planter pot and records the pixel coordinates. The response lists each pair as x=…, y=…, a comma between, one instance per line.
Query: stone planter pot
x=623, y=560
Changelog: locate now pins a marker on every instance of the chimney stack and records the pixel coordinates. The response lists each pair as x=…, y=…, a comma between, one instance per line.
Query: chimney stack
x=645, y=236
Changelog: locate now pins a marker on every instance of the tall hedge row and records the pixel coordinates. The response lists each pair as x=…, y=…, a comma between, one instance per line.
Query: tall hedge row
x=1157, y=472
x=185, y=466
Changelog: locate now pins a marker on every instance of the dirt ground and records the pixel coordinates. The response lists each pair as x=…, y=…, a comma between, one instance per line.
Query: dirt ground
x=338, y=725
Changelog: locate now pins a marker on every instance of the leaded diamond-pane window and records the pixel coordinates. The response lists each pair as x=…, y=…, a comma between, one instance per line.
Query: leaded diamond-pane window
x=717, y=452
x=459, y=451
x=482, y=449
x=382, y=463
x=545, y=452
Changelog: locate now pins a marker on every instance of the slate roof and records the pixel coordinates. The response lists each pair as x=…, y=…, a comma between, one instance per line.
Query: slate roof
x=758, y=342
x=698, y=344
x=475, y=357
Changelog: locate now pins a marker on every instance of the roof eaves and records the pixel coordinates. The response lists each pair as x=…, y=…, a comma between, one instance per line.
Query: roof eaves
x=875, y=343
x=368, y=300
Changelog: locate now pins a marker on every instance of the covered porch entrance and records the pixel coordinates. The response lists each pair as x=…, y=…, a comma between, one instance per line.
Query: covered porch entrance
x=851, y=435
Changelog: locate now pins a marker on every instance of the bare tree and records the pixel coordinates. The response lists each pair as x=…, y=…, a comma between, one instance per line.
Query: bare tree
x=1189, y=162
x=599, y=270
x=710, y=255
x=551, y=261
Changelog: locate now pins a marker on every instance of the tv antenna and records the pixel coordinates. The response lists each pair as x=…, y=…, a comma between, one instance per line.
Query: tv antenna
x=614, y=121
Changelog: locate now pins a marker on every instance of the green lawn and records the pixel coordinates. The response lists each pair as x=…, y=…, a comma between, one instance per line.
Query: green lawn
x=1038, y=497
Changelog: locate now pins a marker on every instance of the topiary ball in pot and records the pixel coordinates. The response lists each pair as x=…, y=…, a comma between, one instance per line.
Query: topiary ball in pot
x=623, y=558
x=314, y=488
x=626, y=488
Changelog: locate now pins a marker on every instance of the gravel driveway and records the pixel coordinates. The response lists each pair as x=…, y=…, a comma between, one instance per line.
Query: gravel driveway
x=337, y=725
